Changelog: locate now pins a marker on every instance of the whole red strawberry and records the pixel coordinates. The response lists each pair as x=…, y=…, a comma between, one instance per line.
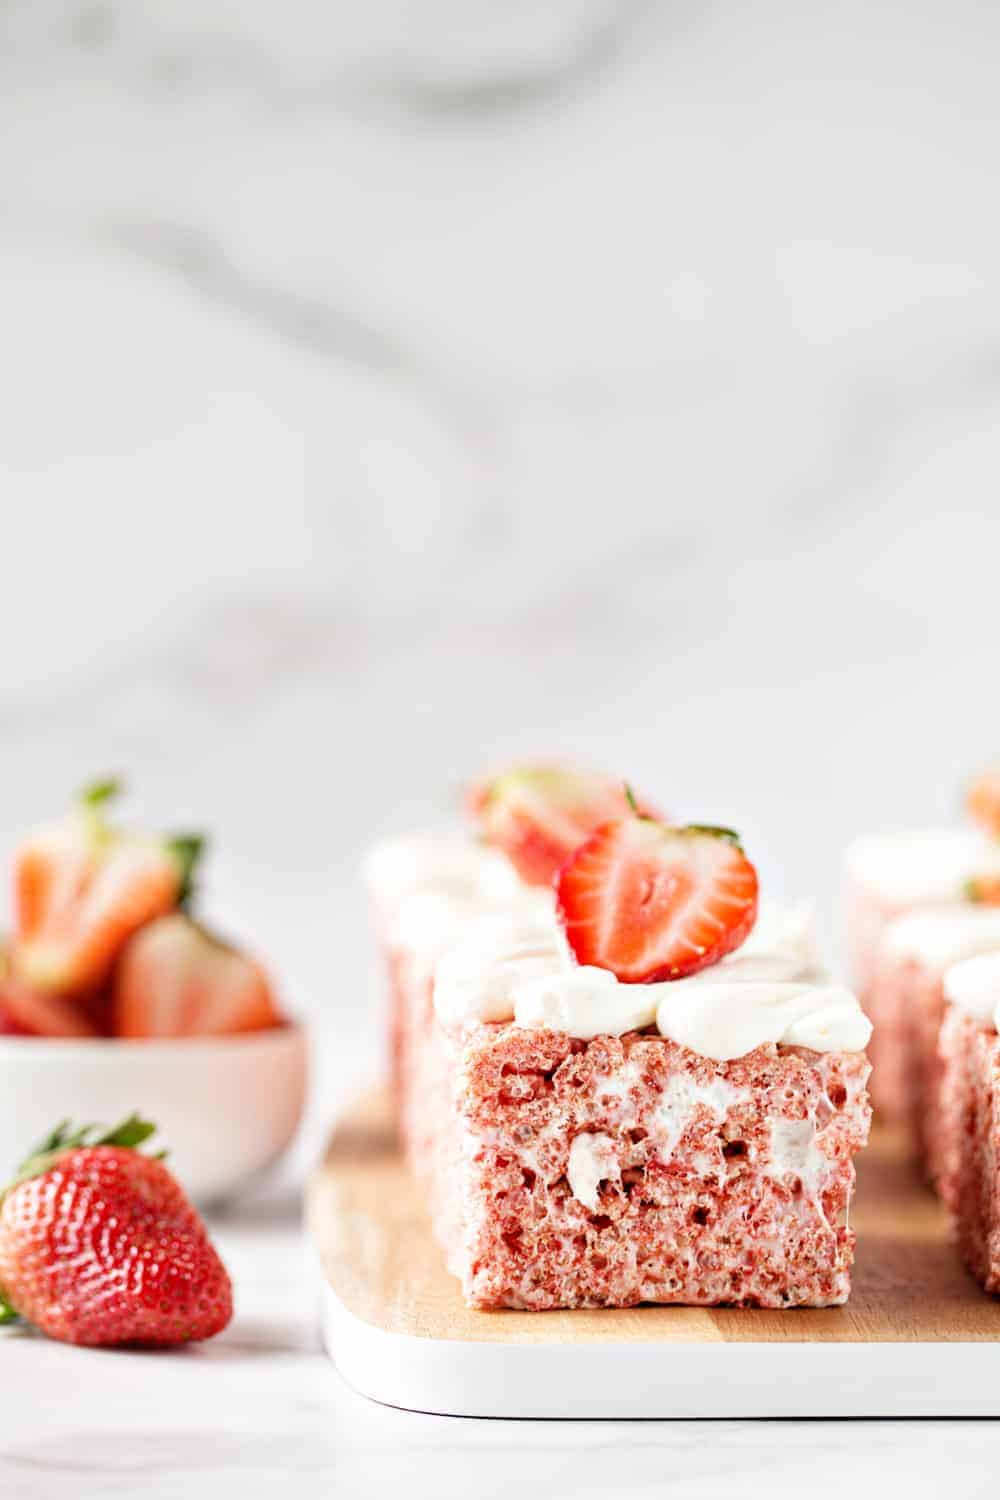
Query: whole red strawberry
x=100, y=1245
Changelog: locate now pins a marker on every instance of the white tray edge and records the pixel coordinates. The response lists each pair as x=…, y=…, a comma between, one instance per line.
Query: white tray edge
x=657, y=1380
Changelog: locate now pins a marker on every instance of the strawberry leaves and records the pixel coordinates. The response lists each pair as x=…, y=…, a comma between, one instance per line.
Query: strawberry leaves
x=714, y=831
x=129, y=1134
x=97, y=794
x=187, y=850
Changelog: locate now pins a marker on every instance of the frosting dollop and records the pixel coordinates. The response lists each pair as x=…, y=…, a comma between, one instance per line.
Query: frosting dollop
x=724, y=1010
x=427, y=888
x=498, y=950
x=512, y=964
x=974, y=987
x=782, y=945
x=939, y=936
x=496, y=953
x=728, y=1020
x=448, y=863
x=585, y=1002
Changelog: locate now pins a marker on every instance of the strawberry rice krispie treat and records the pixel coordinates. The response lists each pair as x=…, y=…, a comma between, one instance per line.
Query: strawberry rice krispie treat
x=888, y=875
x=616, y=1088
x=969, y=1178
x=906, y=1005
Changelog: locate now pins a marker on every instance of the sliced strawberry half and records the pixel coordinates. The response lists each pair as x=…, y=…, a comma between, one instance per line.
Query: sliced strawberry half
x=983, y=800
x=82, y=888
x=175, y=979
x=650, y=902
x=538, y=815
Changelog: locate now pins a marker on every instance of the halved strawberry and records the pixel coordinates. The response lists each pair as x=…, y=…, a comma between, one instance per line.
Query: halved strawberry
x=539, y=814
x=983, y=800
x=175, y=979
x=25, y=1011
x=650, y=902
x=82, y=888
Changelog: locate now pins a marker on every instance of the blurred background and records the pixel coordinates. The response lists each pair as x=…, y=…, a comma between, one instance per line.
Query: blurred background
x=395, y=388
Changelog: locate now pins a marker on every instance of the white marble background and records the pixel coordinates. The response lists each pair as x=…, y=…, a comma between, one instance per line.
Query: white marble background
x=391, y=387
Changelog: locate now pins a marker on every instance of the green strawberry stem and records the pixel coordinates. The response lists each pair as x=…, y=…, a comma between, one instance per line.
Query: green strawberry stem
x=92, y=807
x=714, y=831
x=711, y=830
x=187, y=849
x=128, y=1134
x=97, y=793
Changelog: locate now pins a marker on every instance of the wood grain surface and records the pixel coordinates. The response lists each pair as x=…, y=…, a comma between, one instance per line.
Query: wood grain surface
x=377, y=1251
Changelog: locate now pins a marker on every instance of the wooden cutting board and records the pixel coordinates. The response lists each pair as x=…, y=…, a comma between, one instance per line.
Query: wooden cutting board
x=918, y=1337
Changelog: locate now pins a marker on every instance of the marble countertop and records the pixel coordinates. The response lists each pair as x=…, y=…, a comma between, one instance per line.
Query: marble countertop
x=391, y=387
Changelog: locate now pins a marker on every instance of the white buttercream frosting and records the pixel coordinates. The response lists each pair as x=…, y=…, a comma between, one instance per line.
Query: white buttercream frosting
x=513, y=964
x=974, y=987
x=728, y=1020
x=588, y=1002
x=782, y=945
x=939, y=936
x=449, y=863
x=770, y=990
x=427, y=889
x=475, y=978
x=497, y=953
x=427, y=922
x=920, y=867
x=585, y=1002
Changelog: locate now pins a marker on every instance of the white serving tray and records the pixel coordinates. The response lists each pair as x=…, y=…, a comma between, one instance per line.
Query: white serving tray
x=917, y=1339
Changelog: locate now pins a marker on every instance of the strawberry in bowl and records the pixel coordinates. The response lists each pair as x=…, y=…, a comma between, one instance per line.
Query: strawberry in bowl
x=82, y=887
x=112, y=989
x=174, y=978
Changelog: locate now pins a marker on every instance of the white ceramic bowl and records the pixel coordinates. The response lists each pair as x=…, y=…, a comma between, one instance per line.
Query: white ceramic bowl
x=226, y=1107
